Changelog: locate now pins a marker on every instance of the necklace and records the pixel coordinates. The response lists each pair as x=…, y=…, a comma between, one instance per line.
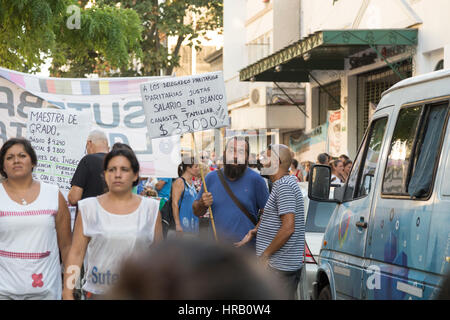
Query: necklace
x=24, y=202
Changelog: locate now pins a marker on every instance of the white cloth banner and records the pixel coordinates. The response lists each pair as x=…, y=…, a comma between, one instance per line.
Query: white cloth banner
x=174, y=106
x=113, y=105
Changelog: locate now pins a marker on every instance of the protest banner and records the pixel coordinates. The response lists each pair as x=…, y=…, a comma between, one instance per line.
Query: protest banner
x=334, y=132
x=113, y=105
x=311, y=143
x=174, y=106
x=51, y=133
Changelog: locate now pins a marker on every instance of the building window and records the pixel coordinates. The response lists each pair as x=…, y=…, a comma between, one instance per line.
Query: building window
x=439, y=65
x=370, y=87
x=259, y=48
x=329, y=99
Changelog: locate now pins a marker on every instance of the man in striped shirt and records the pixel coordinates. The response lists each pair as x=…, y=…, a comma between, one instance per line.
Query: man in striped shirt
x=280, y=233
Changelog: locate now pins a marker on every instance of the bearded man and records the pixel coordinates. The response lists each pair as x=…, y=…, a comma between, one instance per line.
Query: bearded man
x=233, y=218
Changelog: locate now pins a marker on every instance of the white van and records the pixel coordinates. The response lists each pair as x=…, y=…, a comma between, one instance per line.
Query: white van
x=389, y=233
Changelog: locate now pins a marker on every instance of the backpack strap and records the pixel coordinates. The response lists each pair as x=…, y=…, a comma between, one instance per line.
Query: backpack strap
x=235, y=200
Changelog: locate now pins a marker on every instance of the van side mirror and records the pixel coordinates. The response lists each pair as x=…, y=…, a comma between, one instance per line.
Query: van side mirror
x=319, y=183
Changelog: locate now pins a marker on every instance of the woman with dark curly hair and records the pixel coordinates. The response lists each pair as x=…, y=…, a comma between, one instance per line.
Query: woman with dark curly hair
x=112, y=226
x=34, y=228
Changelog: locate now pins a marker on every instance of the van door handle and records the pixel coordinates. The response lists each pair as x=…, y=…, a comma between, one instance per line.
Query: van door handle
x=361, y=223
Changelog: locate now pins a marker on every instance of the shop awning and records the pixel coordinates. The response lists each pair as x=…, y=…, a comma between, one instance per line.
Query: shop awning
x=324, y=50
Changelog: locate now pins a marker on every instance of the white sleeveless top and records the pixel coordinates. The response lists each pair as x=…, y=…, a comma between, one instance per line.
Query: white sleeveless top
x=114, y=237
x=29, y=253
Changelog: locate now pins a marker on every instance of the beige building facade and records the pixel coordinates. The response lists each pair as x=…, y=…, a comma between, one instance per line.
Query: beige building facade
x=346, y=53
x=254, y=29
x=192, y=61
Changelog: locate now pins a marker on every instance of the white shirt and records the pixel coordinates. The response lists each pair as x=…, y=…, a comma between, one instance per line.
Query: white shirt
x=114, y=237
x=335, y=180
x=29, y=253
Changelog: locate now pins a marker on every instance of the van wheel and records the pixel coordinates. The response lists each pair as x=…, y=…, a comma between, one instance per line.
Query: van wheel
x=325, y=293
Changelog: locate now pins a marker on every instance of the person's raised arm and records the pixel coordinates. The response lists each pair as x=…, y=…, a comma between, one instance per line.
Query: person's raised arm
x=75, y=259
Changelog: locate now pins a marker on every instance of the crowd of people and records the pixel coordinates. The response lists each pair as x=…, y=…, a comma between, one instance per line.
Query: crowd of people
x=340, y=168
x=256, y=209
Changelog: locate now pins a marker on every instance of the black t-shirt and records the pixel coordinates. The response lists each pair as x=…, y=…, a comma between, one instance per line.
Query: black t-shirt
x=89, y=175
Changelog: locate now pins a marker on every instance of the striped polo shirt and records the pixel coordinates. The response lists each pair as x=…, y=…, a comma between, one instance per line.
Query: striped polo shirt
x=286, y=197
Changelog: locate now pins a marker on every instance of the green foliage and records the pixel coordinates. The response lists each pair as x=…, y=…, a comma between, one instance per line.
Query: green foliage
x=171, y=18
x=26, y=32
x=113, y=40
x=108, y=39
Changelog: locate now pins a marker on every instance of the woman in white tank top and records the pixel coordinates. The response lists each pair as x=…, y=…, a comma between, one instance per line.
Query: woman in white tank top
x=34, y=228
x=111, y=227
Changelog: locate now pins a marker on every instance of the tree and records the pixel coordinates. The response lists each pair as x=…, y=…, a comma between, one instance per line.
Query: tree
x=108, y=40
x=127, y=38
x=26, y=32
x=33, y=30
x=170, y=18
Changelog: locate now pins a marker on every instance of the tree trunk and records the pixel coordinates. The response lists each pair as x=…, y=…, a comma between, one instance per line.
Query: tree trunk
x=175, y=54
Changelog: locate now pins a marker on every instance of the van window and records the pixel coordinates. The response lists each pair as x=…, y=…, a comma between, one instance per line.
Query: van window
x=361, y=177
x=371, y=158
x=400, y=152
x=351, y=182
x=319, y=214
x=428, y=147
x=445, y=187
x=415, y=149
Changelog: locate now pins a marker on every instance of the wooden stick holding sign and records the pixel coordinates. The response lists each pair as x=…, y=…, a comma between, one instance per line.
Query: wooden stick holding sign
x=204, y=186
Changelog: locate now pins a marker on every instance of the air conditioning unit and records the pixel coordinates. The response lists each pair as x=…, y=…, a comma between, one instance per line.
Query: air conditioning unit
x=260, y=96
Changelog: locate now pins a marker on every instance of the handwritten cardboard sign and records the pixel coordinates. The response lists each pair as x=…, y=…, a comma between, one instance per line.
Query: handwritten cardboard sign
x=174, y=106
x=59, y=140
